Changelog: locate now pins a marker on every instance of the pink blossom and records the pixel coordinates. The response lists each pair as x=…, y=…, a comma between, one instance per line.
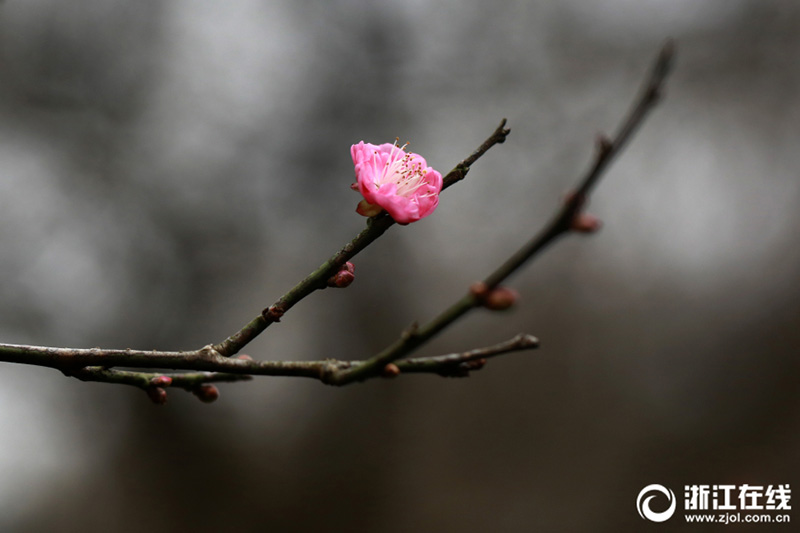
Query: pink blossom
x=390, y=178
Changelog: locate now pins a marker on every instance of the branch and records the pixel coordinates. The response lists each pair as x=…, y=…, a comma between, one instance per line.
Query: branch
x=93, y=364
x=376, y=226
x=199, y=383
x=459, y=364
x=215, y=363
x=568, y=218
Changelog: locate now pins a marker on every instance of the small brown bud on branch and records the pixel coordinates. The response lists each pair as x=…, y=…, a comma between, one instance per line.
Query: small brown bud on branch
x=586, y=223
x=390, y=371
x=496, y=299
x=272, y=313
x=161, y=381
x=344, y=277
x=500, y=298
x=157, y=395
x=582, y=222
x=207, y=393
x=479, y=290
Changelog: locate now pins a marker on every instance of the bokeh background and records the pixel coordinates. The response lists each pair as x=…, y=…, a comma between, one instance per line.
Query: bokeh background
x=167, y=169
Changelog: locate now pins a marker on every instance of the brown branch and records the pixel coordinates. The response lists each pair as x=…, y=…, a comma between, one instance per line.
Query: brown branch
x=562, y=223
x=460, y=364
x=94, y=364
x=88, y=362
x=376, y=226
x=214, y=363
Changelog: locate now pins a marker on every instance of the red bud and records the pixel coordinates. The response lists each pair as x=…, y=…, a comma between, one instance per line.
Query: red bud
x=479, y=290
x=207, y=393
x=344, y=277
x=585, y=223
x=157, y=395
x=273, y=313
x=161, y=381
x=390, y=371
x=500, y=298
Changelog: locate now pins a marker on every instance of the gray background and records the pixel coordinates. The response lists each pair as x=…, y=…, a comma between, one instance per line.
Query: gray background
x=167, y=169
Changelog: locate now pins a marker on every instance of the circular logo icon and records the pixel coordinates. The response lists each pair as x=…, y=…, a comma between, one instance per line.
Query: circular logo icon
x=643, y=503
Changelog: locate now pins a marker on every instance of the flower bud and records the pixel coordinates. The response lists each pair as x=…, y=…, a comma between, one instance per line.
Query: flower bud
x=244, y=357
x=161, y=381
x=207, y=393
x=390, y=371
x=344, y=277
x=500, y=298
x=273, y=313
x=157, y=395
x=479, y=290
x=585, y=223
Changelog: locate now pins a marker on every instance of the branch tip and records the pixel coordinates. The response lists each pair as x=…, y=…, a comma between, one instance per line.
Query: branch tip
x=666, y=58
x=502, y=132
x=524, y=340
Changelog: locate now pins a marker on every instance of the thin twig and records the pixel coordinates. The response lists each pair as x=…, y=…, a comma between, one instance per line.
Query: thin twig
x=561, y=224
x=459, y=364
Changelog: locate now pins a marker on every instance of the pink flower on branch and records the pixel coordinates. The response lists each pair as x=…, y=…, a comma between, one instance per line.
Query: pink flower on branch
x=400, y=182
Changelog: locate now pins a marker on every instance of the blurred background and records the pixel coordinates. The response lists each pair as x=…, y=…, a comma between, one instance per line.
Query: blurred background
x=168, y=169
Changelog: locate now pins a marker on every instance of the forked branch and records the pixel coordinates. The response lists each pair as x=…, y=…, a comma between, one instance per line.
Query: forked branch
x=219, y=363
